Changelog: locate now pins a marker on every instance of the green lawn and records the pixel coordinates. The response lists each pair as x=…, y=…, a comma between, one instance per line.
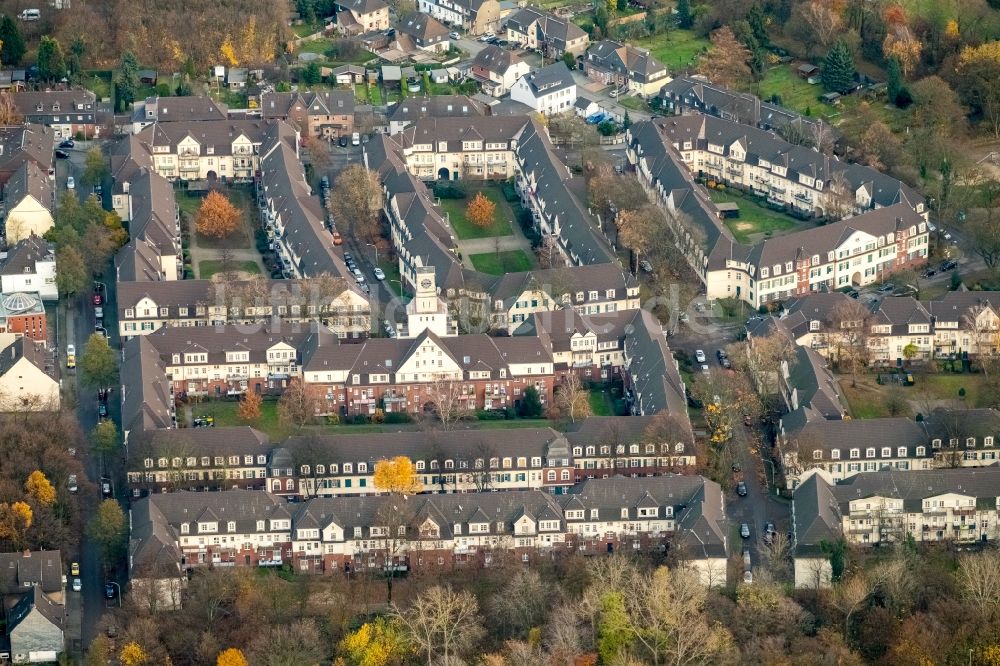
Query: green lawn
x=793, y=90
x=600, y=403
x=392, y=278
x=945, y=386
x=226, y=413
x=513, y=261
x=465, y=229
x=304, y=29
x=320, y=46
x=99, y=81
x=210, y=267
x=634, y=103
x=676, y=48
x=754, y=218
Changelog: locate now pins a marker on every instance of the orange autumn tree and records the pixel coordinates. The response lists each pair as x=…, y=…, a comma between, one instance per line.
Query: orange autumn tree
x=231, y=657
x=480, y=211
x=217, y=217
x=250, y=406
x=39, y=488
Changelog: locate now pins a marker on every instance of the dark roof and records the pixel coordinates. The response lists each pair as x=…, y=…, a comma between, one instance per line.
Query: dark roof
x=146, y=399
x=26, y=348
x=496, y=59
x=423, y=28
x=184, y=109
x=550, y=79
x=913, y=486
x=958, y=306
x=40, y=568
x=23, y=256
x=35, y=600
x=555, y=30
x=655, y=378
x=814, y=384
x=234, y=440
x=816, y=516
x=439, y=106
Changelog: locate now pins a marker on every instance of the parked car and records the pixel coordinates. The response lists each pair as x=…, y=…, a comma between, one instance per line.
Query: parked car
x=62, y=155
x=97, y=299
x=102, y=410
x=337, y=238
x=744, y=530
x=887, y=287
x=77, y=585
x=68, y=143
x=949, y=265
x=356, y=139
x=454, y=35
x=70, y=356
x=853, y=293
x=106, y=488
x=358, y=275
x=704, y=369
x=70, y=183
x=741, y=489
x=348, y=256
x=324, y=182
x=613, y=93
x=379, y=274
x=71, y=483
x=342, y=141
x=699, y=355
x=930, y=272
x=109, y=590
x=74, y=569
x=646, y=266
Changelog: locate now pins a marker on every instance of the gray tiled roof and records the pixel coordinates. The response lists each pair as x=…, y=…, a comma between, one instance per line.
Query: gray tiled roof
x=550, y=79
x=914, y=485
x=196, y=108
x=423, y=28
x=438, y=106
x=216, y=341
x=656, y=380
x=814, y=383
x=29, y=179
x=146, y=398
x=816, y=516
x=40, y=568
x=226, y=441
x=496, y=59
x=958, y=306
x=21, y=258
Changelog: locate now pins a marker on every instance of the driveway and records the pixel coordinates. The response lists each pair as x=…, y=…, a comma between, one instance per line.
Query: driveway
x=599, y=93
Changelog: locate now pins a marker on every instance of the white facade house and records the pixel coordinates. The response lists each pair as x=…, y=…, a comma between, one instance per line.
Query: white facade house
x=549, y=90
x=30, y=267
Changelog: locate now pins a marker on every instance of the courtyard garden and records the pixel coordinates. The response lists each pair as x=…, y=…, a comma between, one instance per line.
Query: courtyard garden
x=499, y=263
x=755, y=221
x=455, y=199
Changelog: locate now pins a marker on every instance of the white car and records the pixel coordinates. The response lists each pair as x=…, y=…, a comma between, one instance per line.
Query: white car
x=70, y=183
x=699, y=355
x=613, y=93
x=77, y=585
x=705, y=370
x=70, y=350
x=379, y=274
x=947, y=236
x=454, y=35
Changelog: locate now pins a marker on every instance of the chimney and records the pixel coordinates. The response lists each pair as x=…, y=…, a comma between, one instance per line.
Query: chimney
x=27, y=552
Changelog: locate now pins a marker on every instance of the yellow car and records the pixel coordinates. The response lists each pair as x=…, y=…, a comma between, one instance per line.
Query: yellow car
x=74, y=569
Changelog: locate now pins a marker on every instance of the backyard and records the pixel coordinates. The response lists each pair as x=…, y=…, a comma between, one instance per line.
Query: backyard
x=871, y=400
x=794, y=91
x=226, y=414
x=464, y=228
x=676, y=49
x=240, y=197
x=209, y=267
x=754, y=219
x=493, y=263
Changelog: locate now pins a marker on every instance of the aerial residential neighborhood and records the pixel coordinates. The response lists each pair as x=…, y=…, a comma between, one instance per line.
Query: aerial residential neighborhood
x=371, y=333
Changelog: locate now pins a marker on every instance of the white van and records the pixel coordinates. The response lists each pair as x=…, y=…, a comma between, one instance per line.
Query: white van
x=31, y=15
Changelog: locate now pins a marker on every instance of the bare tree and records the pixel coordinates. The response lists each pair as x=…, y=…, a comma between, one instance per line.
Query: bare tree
x=442, y=624
x=482, y=475
x=448, y=401
x=573, y=398
x=840, y=199
x=394, y=521
x=549, y=254
x=521, y=604
x=851, y=322
x=979, y=580
x=299, y=404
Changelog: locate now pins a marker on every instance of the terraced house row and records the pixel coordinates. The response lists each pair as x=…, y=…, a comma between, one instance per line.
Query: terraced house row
x=175, y=532
x=331, y=465
x=884, y=227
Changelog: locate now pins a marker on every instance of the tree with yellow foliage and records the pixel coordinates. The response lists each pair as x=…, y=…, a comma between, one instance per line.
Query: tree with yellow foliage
x=40, y=489
x=397, y=476
x=228, y=52
x=132, y=654
x=15, y=519
x=250, y=406
x=378, y=643
x=978, y=82
x=231, y=657
x=900, y=43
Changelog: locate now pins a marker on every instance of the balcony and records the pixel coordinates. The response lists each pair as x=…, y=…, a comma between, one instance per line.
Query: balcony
x=801, y=196
x=777, y=190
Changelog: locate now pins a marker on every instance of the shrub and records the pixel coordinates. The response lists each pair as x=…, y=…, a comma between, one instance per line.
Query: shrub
x=397, y=417
x=358, y=419
x=448, y=191
x=491, y=415
x=509, y=193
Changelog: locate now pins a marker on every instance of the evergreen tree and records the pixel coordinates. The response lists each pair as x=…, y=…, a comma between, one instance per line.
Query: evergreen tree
x=838, y=68
x=13, y=41
x=626, y=121
x=684, y=17
x=531, y=404
x=127, y=86
x=758, y=25
x=894, y=80
x=51, y=63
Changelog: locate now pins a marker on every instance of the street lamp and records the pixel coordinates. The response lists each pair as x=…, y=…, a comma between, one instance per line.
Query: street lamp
x=372, y=245
x=771, y=463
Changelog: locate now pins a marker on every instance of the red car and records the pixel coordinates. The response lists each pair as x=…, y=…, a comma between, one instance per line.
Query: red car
x=97, y=299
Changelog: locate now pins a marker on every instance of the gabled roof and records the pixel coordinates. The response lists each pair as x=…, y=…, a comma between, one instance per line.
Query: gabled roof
x=35, y=600
x=496, y=59
x=423, y=28
x=815, y=517
x=549, y=79
x=25, y=254
x=362, y=7
x=146, y=399
x=42, y=569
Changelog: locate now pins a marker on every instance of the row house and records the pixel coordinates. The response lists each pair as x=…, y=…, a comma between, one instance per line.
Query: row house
x=891, y=236
x=412, y=109
x=450, y=376
x=198, y=459
x=67, y=112
x=839, y=449
x=461, y=148
x=474, y=16
x=697, y=95
x=946, y=505
x=293, y=220
x=630, y=69
x=209, y=459
x=325, y=114
x=145, y=307
x=542, y=181
x=153, y=252
x=189, y=109
x=897, y=328
x=432, y=532
x=28, y=202
x=532, y=28
x=225, y=150
x=227, y=361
